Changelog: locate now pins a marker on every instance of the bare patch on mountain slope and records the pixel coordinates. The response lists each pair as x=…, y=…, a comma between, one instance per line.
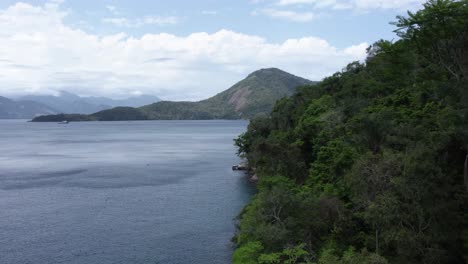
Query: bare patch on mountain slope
x=239, y=98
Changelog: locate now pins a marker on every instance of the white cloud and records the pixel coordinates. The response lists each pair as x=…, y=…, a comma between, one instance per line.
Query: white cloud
x=41, y=54
x=288, y=15
x=357, y=51
x=356, y=4
x=209, y=12
x=295, y=2
x=135, y=23
x=388, y=4
x=112, y=9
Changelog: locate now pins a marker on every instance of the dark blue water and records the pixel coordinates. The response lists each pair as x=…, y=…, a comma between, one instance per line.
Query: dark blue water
x=119, y=192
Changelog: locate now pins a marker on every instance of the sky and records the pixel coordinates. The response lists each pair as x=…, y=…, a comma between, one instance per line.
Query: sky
x=180, y=49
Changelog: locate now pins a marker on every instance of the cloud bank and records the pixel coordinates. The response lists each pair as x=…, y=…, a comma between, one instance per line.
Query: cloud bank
x=307, y=10
x=40, y=53
x=356, y=4
x=136, y=23
x=287, y=14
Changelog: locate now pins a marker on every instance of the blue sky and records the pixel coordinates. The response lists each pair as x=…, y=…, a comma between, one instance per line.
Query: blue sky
x=180, y=50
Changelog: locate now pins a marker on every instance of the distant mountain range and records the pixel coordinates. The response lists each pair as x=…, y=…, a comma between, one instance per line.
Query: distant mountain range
x=69, y=103
x=30, y=106
x=23, y=109
x=252, y=96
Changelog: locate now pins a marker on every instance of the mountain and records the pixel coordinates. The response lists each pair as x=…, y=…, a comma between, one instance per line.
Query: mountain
x=10, y=109
x=68, y=103
x=254, y=95
x=135, y=101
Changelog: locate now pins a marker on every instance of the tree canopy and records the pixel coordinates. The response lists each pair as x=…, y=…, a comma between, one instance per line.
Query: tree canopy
x=368, y=165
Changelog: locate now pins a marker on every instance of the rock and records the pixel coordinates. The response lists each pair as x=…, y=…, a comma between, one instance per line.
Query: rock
x=254, y=178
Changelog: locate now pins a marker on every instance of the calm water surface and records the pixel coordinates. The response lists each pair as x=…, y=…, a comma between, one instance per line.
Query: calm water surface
x=119, y=192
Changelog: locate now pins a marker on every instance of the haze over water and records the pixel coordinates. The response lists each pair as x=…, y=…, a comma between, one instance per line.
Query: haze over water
x=119, y=192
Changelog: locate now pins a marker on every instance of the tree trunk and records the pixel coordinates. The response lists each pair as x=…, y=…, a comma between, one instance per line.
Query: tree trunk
x=377, y=241
x=466, y=172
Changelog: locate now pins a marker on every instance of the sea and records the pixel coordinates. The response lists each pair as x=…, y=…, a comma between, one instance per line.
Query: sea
x=119, y=192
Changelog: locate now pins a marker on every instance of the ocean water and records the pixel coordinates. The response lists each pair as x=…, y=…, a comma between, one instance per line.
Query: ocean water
x=119, y=192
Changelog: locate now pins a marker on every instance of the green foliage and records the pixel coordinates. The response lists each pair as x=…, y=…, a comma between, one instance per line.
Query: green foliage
x=440, y=33
x=120, y=113
x=248, y=253
x=63, y=117
x=350, y=256
x=368, y=165
x=290, y=255
x=271, y=258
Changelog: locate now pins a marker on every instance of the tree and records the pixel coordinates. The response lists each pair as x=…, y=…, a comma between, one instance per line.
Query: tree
x=440, y=33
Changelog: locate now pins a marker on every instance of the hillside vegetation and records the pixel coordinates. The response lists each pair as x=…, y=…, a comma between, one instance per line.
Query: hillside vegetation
x=252, y=96
x=369, y=165
x=255, y=95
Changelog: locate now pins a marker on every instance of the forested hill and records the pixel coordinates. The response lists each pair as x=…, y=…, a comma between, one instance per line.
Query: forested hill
x=369, y=165
x=252, y=96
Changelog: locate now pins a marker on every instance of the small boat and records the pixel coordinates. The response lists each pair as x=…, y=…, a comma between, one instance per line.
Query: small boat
x=64, y=122
x=240, y=167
